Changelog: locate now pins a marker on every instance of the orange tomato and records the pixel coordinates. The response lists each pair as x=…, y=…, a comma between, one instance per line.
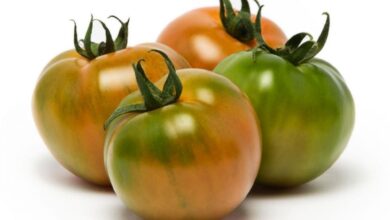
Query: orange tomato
x=75, y=95
x=201, y=38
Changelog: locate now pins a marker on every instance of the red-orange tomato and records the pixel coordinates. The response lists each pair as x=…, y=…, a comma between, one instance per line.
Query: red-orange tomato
x=74, y=96
x=200, y=37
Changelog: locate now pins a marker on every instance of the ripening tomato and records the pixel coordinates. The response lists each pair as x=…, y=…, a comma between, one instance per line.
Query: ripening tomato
x=206, y=36
x=304, y=105
x=79, y=89
x=190, y=151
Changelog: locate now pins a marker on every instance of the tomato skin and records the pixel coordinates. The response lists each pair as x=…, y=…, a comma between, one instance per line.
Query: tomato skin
x=306, y=114
x=200, y=37
x=190, y=159
x=74, y=96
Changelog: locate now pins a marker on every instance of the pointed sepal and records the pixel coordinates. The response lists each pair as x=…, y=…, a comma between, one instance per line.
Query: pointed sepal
x=91, y=50
x=154, y=98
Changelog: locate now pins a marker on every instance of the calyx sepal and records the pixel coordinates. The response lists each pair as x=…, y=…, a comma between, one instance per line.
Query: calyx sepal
x=91, y=50
x=238, y=24
x=295, y=50
x=154, y=98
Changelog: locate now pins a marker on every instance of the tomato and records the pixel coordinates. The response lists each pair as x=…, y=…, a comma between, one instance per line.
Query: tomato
x=202, y=38
x=304, y=105
x=193, y=156
x=75, y=94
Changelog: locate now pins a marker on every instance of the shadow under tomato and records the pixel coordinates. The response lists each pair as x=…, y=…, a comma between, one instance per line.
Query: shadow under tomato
x=51, y=171
x=125, y=214
x=336, y=179
x=238, y=214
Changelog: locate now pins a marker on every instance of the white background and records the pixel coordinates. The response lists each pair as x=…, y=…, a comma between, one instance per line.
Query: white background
x=34, y=186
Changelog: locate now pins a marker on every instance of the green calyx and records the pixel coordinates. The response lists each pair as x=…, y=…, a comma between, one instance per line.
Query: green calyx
x=295, y=50
x=91, y=50
x=239, y=25
x=154, y=98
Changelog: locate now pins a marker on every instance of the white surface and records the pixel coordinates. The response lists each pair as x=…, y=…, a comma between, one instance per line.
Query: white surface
x=34, y=186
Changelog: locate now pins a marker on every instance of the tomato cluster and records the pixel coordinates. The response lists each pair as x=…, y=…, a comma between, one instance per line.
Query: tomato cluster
x=184, y=127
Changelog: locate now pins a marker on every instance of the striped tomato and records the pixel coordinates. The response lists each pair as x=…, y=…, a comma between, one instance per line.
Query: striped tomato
x=78, y=90
x=190, y=151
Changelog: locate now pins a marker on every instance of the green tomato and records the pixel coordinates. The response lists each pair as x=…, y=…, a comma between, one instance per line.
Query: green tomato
x=306, y=114
x=304, y=106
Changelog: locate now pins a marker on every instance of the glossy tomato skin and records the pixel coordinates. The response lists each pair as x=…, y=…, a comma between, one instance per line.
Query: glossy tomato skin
x=74, y=96
x=201, y=38
x=190, y=159
x=306, y=114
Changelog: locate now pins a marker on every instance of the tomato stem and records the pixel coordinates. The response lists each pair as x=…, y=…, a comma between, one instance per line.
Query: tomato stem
x=238, y=25
x=296, y=50
x=154, y=98
x=91, y=49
